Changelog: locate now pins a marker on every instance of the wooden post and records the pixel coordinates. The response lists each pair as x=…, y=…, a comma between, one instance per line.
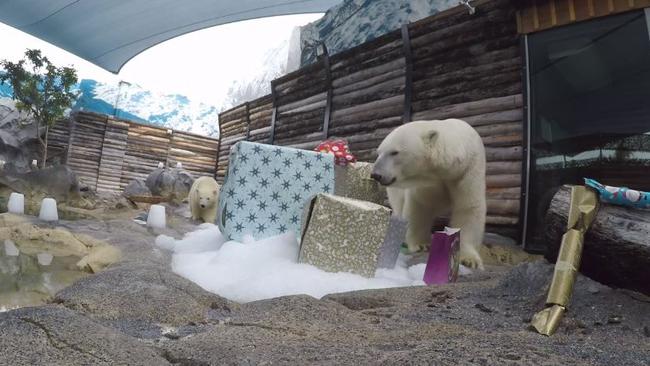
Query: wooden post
x=70, y=133
x=328, y=80
x=525, y=157
x=248, y=122
x=170, y=133
x=101, y=153
x=408, y=65
x=274, y=116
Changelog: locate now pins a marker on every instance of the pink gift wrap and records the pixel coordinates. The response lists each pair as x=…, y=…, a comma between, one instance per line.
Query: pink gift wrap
x=444, y=259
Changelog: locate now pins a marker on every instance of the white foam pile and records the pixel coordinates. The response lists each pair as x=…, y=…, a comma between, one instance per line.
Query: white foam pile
x=256, y=270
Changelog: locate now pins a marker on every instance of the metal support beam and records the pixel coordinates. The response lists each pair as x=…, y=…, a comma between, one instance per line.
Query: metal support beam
x=328, y=81
x=408, y=74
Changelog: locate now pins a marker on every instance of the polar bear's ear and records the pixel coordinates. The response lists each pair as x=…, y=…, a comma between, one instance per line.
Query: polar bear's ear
x=429, y=137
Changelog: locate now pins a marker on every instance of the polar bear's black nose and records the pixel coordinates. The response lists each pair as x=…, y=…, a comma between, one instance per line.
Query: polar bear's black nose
x=202, y=206
x=376, y=177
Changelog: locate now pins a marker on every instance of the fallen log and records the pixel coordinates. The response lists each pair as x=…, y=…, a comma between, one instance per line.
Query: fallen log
x=616, y=248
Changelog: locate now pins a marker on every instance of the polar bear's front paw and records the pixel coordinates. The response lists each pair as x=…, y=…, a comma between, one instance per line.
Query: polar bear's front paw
x=414, y=248
x=471, y=259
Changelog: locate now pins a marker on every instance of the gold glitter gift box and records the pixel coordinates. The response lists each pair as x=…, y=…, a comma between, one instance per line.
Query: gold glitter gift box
x=342, y=234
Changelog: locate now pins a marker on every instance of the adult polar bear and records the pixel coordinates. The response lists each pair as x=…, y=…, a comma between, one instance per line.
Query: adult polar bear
x=431, y=168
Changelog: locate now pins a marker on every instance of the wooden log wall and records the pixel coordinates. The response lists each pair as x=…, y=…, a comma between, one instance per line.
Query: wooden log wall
x=107, y=153
x=85, y=148
x=537, y=15
x=146, y=147
x=450, y=65
x=113, y=152
x=233, y=126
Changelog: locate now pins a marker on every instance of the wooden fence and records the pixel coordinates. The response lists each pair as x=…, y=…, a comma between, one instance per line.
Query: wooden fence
x=452, y=64
x=107, y=153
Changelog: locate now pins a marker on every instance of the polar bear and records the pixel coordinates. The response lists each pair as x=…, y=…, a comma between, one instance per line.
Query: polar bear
x=431, y=168
x=203, y=197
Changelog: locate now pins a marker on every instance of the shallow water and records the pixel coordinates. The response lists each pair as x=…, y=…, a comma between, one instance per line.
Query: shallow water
x=25, y=282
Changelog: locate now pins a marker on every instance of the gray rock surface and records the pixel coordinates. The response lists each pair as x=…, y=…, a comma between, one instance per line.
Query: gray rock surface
x=173, y=184
x=53, y=335
x=141, y=292
x=18, y=142
x=481, y=321
x=141, y=308
x=137, y=187
x=58, y=182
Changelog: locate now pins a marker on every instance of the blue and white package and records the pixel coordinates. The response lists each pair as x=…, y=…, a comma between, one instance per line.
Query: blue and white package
x=267, y=187
x=620, y=195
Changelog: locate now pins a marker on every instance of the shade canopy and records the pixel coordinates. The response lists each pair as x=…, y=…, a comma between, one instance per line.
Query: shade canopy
x=109, y=33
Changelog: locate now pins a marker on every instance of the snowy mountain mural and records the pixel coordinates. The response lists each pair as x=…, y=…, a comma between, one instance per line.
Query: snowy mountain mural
x=258, y=83
x=354, y=22
x=140, y=105
x=135, y=103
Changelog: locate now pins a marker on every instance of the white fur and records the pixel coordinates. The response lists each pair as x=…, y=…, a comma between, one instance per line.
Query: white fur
x=203, y=197
x=432, y=168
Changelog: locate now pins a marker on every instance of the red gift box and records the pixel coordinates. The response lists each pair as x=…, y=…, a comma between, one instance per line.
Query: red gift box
x=340, y=149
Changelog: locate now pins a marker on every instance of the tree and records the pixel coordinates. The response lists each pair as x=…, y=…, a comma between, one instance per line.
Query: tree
x=41, y=90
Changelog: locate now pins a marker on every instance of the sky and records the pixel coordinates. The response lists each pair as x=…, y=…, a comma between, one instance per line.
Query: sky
x=200, y=65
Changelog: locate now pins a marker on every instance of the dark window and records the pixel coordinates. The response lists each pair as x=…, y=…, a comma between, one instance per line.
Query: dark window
x=590, y=109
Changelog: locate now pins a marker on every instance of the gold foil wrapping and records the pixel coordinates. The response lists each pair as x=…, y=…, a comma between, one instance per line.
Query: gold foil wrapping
x=582, y=210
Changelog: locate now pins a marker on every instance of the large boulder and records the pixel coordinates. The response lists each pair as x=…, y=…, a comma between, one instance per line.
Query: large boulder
x=58, y=182
x=19, y=143
x=137, y=187
x=172, y=184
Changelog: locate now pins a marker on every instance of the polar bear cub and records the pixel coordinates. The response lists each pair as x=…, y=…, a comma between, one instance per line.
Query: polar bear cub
x=431, y=168
x=204, y=198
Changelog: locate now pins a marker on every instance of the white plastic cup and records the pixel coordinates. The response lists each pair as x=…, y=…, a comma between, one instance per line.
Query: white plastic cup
x=48, y=211
x=34, y=163
x=179, y=165
x=16, y=204
x=156, y=218
x=2, y=164
x=161, y=165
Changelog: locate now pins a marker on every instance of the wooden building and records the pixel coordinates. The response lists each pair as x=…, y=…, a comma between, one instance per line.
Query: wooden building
x=558, y=90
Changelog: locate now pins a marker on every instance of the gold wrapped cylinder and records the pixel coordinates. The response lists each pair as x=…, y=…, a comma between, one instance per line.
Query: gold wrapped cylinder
x=584, y=205
x=566, y=268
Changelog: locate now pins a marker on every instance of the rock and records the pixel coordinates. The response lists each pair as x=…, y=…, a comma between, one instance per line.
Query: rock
x=53, y=335
x=172, y=184
x=99, y=258
x=141, y=292
x=499, y=250
x=18, y=142
x=137, y=187
x=58, y=182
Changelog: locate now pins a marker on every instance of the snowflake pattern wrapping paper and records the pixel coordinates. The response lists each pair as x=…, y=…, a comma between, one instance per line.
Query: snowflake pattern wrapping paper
x=348, y=235
x=267, y=187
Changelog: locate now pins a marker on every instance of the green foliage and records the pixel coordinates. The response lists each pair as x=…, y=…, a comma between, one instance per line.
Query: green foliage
x=40, y=88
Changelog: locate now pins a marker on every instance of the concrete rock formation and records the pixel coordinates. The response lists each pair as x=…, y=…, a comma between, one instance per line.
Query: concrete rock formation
x=172, y=184
x=19, y=144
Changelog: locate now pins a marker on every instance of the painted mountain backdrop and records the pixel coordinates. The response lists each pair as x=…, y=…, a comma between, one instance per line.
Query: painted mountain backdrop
x=354, y=22
x=140, y=105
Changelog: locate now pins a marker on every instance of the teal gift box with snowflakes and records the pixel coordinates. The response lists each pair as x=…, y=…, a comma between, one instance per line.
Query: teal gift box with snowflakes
x=267, y=187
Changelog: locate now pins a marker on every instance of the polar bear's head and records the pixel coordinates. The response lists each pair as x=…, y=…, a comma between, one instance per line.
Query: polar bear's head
x=207, y=196
x=404, y=155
